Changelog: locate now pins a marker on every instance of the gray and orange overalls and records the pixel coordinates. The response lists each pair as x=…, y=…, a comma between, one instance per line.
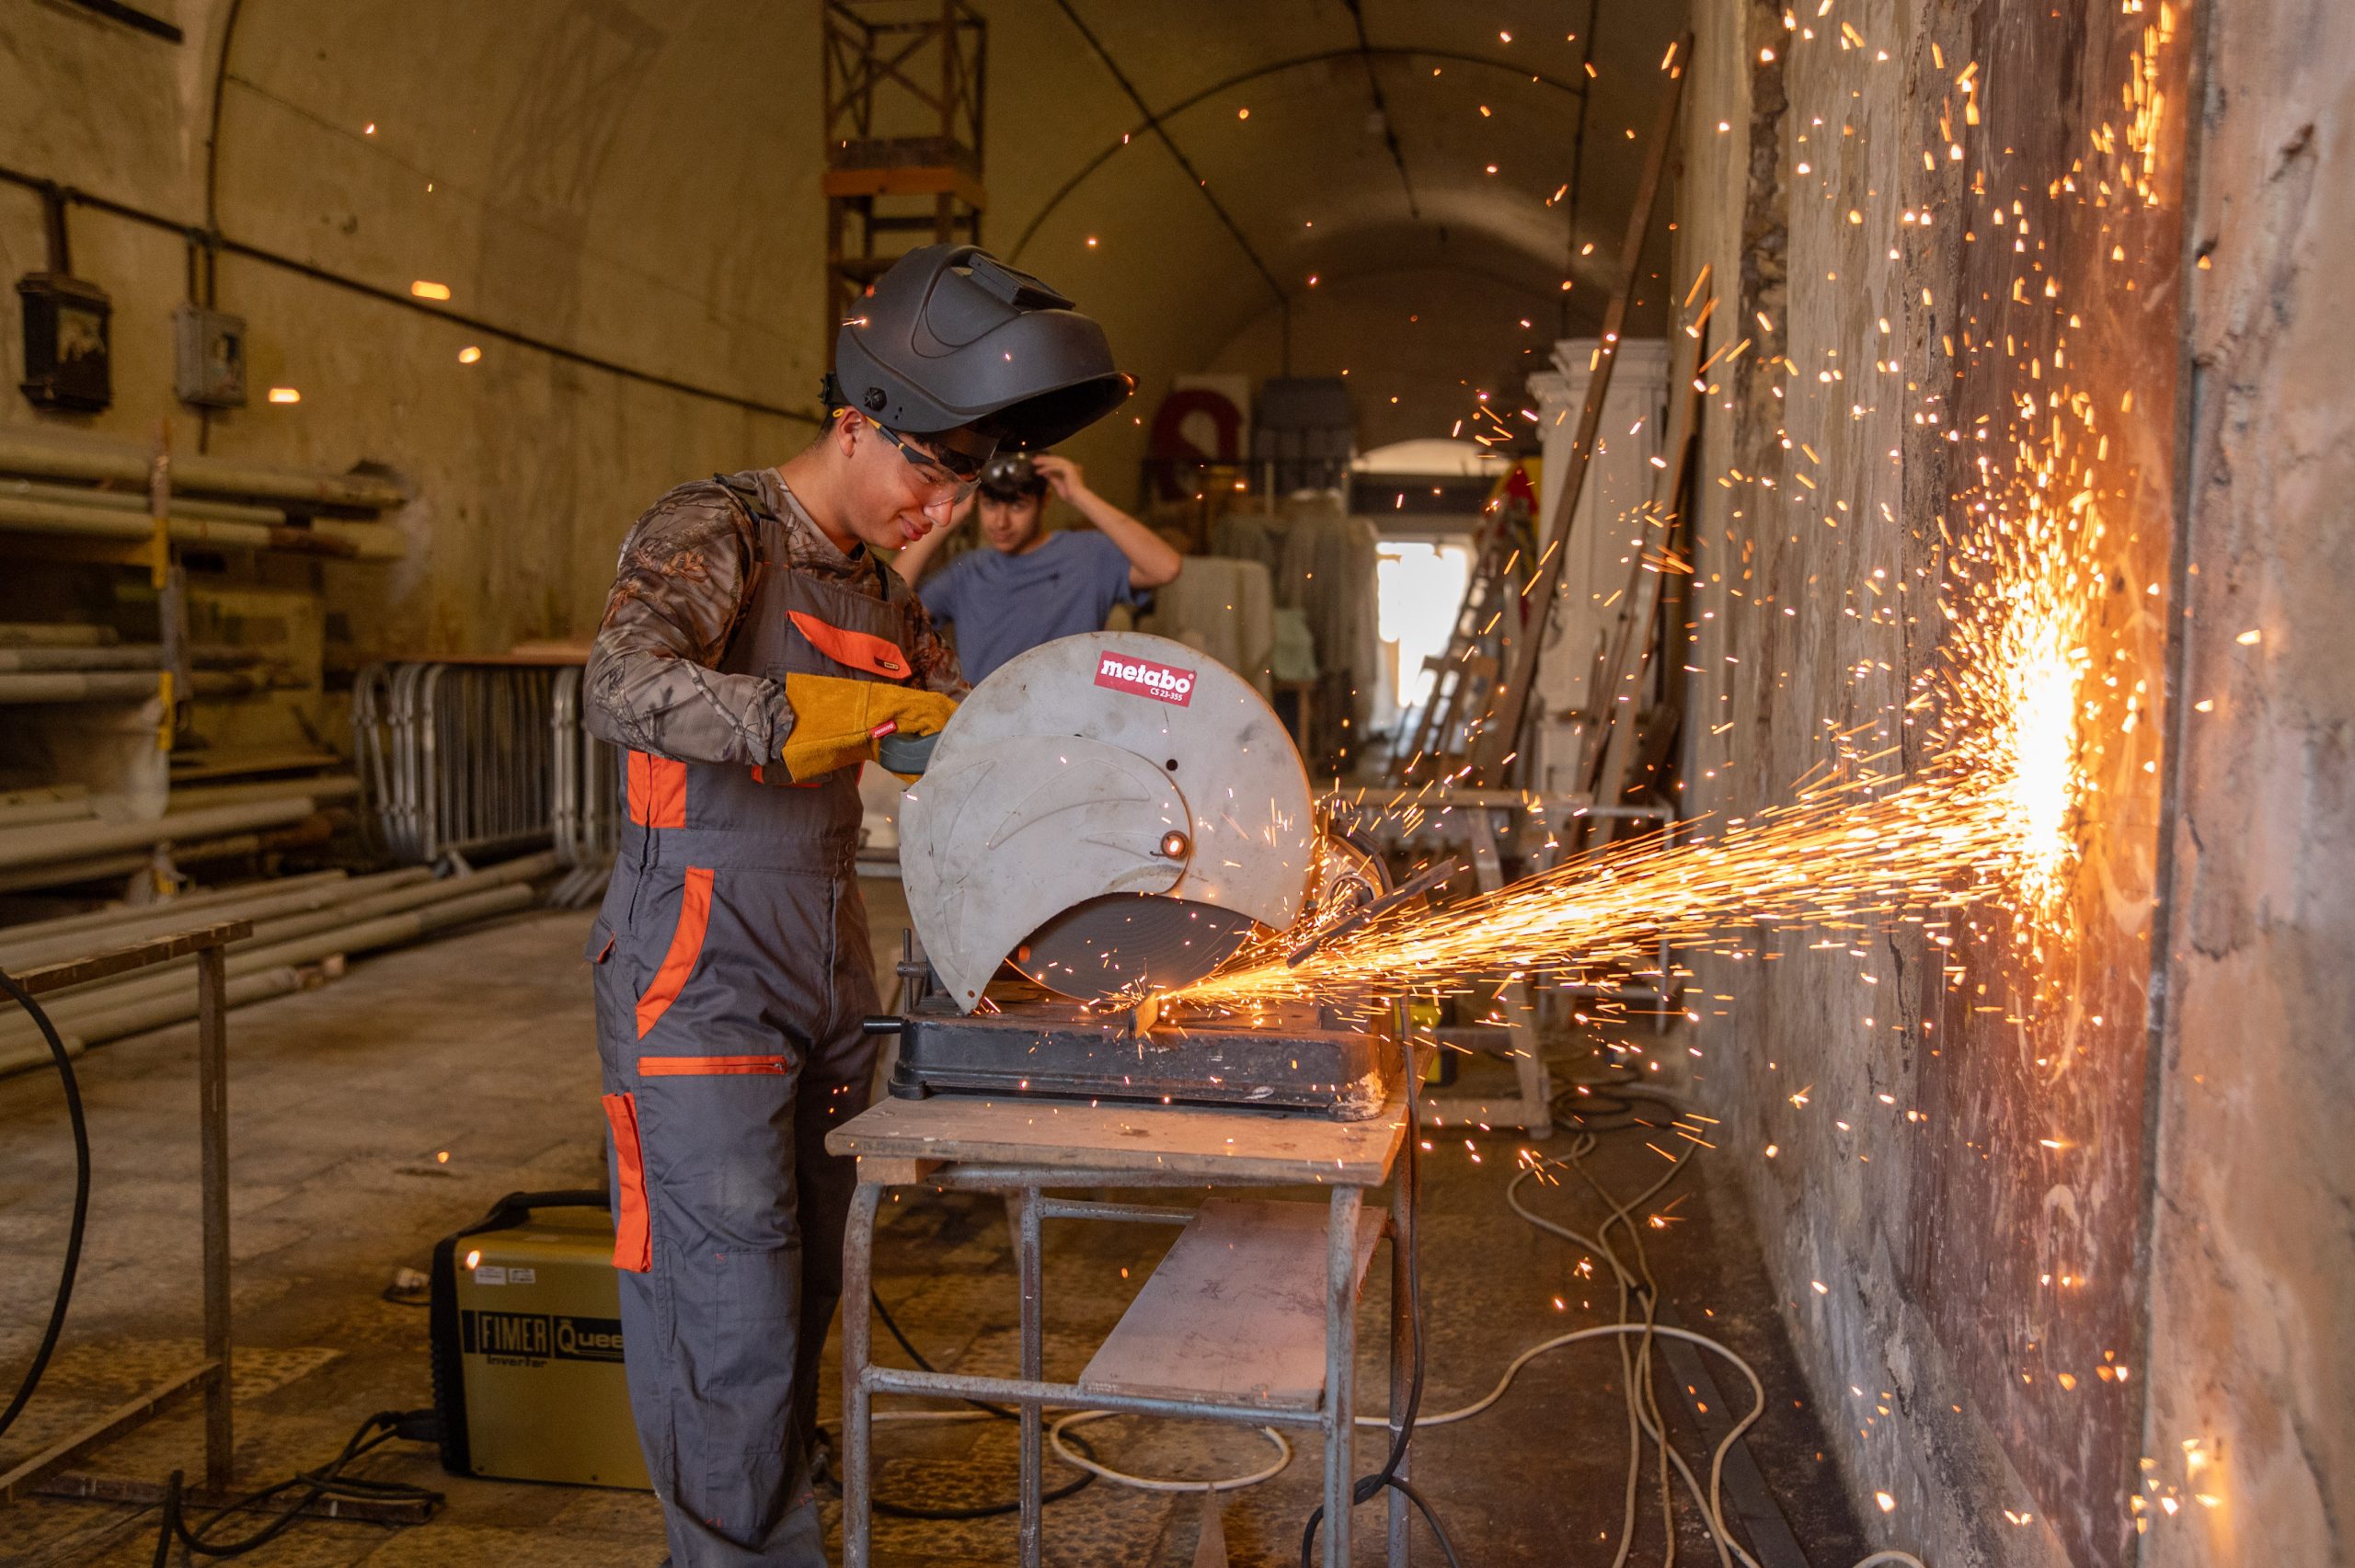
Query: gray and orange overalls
x=732, y=973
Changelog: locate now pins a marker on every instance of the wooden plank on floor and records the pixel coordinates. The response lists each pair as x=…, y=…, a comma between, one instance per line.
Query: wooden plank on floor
x=1235, y=1147
x=1236, y=1310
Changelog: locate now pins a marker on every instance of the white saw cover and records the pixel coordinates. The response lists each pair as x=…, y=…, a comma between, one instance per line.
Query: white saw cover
x=1062, y=778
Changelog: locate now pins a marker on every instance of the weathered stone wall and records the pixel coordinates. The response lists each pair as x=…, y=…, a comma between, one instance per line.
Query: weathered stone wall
x=2254, y=1257
x=1956, y=1194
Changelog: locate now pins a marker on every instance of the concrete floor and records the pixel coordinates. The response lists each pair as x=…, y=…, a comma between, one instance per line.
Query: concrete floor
x=345, y=1098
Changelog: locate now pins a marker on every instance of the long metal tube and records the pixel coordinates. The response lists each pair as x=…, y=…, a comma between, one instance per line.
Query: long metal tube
x=318, y=790
x=126, y=501
x=105, y=685
x=38, y=813
x=256, y=904
x=55, y=633
x=39, y=846
x=27, y=451
x=315, y=828
x=115, y=655
x=169, y=980
x=186, y=904
x=179, y=1004
x=365, y=540
x=271, y=934
x=18, y=1055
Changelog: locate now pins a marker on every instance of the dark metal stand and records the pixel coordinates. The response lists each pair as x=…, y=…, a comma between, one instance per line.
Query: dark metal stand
x=212, y=1374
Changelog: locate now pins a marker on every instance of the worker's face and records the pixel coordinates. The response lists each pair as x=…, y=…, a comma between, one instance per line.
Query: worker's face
x=902, y=488
x=1010, y=526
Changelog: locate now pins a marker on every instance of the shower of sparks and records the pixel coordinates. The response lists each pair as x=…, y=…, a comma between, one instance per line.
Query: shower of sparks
x=1993, y=807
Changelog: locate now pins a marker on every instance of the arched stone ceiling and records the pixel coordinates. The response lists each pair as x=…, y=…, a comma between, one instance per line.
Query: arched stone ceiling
x=1309, y=179
x=638, y=179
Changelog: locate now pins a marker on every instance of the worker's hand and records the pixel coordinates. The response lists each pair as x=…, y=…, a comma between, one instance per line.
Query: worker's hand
x=836, y=721
x=1061, y=474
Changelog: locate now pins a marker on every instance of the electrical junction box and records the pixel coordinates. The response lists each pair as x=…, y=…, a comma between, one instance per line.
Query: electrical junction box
x=67, y=359
x=210, y=357
x=527, y=1346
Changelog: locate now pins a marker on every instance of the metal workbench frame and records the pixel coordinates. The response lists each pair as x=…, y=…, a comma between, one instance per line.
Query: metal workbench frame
x=207, y=943
x=1023, y=1187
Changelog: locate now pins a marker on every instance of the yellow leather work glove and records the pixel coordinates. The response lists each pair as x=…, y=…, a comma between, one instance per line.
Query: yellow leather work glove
x=834, y=720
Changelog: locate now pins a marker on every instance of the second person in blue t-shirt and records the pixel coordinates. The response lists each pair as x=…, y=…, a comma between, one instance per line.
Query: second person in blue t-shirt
x=1032, y=585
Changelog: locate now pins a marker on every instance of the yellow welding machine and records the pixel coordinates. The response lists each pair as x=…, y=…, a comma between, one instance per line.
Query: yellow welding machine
x=527, y=1345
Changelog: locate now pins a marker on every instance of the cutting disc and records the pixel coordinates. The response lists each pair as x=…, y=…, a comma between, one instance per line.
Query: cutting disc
x=1130, y=945
x=1084, y=778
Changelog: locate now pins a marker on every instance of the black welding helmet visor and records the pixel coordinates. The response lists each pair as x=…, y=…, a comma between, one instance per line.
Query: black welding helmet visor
x=1011, y=476
x=951, y=337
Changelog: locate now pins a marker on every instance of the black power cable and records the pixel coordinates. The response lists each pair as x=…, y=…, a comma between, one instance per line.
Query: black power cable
x=326, y=1482
x=979, y=1511
x=72, y=1263
x=1371, y=1486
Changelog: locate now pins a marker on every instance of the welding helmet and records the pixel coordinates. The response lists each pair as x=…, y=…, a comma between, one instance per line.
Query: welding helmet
x=1011, y=476
x=951, y=337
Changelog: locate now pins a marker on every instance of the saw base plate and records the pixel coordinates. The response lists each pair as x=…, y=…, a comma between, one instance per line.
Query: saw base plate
x=1293, y=1058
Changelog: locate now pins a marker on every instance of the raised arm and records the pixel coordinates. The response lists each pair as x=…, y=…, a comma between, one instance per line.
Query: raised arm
x=1152, y=562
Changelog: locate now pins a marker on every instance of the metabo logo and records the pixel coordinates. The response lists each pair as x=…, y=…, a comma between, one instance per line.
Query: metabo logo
x=539, y=1335
x=1162, y=683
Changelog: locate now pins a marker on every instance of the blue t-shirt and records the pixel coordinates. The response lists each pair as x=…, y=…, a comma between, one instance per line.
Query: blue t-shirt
x=1002, y=605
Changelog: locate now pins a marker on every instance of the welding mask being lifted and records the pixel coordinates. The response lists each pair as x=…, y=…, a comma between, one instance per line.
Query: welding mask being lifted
x=952, y=337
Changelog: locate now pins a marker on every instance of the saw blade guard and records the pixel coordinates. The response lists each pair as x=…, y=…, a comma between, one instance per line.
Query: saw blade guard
x=1103, y=764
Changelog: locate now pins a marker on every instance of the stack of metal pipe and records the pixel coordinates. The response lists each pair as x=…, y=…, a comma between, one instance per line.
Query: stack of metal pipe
x=300, y=923
x=82, y=486
x=52, y=837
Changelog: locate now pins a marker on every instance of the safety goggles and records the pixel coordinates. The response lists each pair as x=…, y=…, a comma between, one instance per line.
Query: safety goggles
x=947, y=473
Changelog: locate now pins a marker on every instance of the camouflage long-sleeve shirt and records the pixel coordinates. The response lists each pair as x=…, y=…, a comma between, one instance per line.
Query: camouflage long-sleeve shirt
x=677, y=590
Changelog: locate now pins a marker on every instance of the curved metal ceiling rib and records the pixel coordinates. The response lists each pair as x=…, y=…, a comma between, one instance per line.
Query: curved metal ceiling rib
x=1156, y=121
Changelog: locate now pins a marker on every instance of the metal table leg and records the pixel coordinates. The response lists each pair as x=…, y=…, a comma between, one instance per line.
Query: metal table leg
x=859, y=1323
x=1340, y=1371
x=212, y=1101
x=1023, y=1203
x=1402, y=1360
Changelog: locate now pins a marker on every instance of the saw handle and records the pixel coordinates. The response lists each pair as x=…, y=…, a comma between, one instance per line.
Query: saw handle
x=905, y=754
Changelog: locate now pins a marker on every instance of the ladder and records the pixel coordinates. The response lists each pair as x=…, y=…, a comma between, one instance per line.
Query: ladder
x=1433, y=740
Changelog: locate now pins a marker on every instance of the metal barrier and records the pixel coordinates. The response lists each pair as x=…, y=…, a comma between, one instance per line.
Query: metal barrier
x=467, y=759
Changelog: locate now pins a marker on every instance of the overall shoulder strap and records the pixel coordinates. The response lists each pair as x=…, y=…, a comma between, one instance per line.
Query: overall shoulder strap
x=748, y=500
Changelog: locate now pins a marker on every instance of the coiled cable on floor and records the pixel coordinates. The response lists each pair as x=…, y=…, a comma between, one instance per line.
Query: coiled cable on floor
x=72, y=1263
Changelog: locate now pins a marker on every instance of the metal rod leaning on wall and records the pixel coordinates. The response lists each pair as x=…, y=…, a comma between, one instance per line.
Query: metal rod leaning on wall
x=1499, y=736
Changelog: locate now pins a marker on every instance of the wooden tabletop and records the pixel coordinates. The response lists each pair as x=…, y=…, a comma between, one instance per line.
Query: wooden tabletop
x=1241, y=1148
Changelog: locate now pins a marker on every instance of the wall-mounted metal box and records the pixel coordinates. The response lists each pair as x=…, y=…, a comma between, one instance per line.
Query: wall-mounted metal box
x=66, y=342
x=210, y=350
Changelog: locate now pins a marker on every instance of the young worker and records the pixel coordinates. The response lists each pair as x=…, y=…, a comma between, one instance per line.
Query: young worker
x=752, y=650
x=1032, y=585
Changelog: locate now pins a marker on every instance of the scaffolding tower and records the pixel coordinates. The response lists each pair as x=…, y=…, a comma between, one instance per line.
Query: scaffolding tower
x=903, y=100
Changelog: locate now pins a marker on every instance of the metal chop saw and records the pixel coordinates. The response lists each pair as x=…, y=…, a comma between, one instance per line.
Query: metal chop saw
x=1107, y=818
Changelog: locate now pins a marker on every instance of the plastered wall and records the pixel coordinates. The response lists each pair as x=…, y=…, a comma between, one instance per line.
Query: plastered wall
x=637, y=184
x=622, y=206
